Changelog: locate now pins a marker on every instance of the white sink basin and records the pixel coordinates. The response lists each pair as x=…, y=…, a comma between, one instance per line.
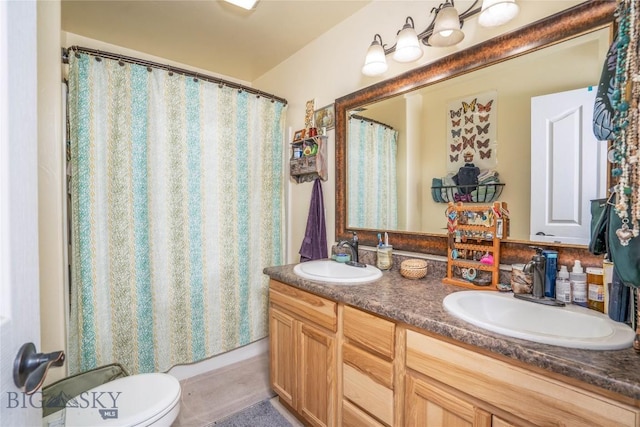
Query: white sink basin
x=570, y=326
x=326, y=270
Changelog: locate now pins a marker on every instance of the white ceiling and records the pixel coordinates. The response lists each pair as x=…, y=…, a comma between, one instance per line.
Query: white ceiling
x=209, y=34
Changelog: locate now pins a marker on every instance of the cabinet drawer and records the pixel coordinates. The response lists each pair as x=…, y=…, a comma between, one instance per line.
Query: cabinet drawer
x=313, y=308
x=352, y=416
x=381, y=371
x=366, y=393
x=372, y=332
x=516, y=390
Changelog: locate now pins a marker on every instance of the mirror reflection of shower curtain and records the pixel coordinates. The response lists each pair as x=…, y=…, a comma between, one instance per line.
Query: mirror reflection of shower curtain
x=372, y=182
x=177, y=207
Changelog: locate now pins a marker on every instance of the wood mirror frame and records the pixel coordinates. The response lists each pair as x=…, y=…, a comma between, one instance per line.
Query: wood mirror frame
x=577, y=20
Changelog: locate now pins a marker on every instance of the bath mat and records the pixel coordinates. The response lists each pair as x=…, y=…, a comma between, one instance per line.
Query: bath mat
x=262, y=414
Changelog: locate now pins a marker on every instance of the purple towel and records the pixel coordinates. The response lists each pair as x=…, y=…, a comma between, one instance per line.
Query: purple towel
x=314, y=244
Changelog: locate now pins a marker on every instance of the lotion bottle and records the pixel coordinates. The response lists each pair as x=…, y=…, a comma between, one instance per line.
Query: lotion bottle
x=563, y=286
x=578, y=281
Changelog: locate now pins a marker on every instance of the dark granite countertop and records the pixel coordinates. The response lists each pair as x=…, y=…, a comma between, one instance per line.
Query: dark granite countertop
x=419, y=303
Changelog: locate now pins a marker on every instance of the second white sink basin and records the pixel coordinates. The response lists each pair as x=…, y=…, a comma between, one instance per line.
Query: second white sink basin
x=570, y=326
x=327, y=270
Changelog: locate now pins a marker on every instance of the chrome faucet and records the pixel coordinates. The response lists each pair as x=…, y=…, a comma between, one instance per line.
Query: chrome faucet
x=353, y=247
x=536, y=267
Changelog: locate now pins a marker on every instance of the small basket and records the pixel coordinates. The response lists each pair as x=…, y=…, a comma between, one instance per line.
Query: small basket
x=475, y=193
x=413, y=268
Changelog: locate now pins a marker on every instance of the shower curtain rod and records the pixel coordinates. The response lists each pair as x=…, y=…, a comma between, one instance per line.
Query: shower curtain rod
x=366, y=119
x=169, y=68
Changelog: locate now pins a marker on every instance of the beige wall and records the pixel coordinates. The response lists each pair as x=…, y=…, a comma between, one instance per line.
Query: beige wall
x=51, y=195
x=329, y=68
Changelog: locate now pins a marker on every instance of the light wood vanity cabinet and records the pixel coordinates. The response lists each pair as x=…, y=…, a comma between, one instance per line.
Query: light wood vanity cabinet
x=368, y=353
x=336, y=365
x=447, y=380
x=428, y=404
x=303, y=352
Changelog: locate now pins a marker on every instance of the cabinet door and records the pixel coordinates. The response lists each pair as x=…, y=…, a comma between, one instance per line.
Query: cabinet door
x=428, y=405
x=499, y=422
x=282, y=348
x=317, y=385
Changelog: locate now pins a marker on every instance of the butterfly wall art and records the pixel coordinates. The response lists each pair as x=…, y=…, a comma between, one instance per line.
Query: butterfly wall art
x=472, y=131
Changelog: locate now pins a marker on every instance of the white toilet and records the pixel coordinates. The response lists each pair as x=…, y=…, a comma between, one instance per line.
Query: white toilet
x=137, y=400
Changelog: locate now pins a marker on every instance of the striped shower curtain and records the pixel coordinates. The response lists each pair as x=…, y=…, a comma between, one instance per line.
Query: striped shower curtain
x=177, y=206
x=372, y=181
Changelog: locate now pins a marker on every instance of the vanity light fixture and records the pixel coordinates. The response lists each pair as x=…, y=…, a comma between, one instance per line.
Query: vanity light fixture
x=407, y=45
x=444, y=30
x=446, y=27
x=375, y=62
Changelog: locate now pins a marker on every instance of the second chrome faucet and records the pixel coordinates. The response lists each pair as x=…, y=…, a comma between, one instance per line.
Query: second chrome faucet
x=353, y=246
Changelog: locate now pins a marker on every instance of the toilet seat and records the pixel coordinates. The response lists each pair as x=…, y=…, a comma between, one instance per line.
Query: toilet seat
x=137, y=400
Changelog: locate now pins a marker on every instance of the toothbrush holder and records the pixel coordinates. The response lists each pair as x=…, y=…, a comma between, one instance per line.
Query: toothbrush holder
x=385, y=257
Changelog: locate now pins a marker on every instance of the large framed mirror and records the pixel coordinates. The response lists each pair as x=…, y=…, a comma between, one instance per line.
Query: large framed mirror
x=586, y=29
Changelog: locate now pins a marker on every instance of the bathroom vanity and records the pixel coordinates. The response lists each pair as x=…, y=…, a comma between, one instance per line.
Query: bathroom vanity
x=387, y=354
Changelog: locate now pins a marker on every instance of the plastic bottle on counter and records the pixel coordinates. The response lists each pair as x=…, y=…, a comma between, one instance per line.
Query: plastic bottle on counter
x=578, y=280
x=563, y=285
x=595, y=289
x=550, y=270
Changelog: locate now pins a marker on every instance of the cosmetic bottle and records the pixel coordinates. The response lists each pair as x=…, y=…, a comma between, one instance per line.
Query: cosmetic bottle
x=550, y=269
x=595, y=289
x=563, y=285
x=578, y=280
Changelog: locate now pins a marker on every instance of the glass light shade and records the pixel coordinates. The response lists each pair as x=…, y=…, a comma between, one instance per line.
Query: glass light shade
x=375, y=62
x=245, y=4
x=497, y=12
x=407, y=45
x=446, y=30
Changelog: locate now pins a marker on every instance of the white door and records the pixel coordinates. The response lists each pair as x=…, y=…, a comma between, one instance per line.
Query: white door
x=19, y=292
x=568, y=166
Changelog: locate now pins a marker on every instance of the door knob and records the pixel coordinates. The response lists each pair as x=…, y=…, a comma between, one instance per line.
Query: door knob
x=30, y=368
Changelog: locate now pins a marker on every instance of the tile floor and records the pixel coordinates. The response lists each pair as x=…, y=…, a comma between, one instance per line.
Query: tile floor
x=217, y=394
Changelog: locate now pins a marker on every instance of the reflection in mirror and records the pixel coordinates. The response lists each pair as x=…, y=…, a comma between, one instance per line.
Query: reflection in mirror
x=373, y=201
x=416, y=103
x=423, y=119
